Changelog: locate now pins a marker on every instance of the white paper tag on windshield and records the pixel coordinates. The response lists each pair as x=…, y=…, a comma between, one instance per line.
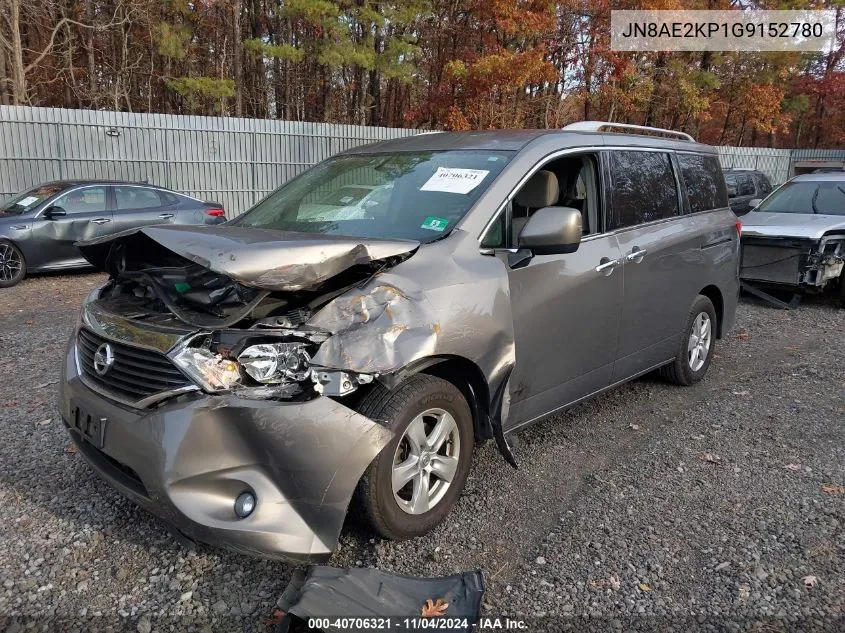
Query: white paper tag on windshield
x=27, y=201
x=454, y=180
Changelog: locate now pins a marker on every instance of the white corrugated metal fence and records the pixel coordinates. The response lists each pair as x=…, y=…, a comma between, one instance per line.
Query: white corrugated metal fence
x=232, y=161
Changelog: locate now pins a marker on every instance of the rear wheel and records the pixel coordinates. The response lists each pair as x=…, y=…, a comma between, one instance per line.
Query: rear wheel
x=842, y=290
x=414, y=482
x=695, y=350
x=12, y=265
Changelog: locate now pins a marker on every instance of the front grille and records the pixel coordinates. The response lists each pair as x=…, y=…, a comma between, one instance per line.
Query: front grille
x=136, y=373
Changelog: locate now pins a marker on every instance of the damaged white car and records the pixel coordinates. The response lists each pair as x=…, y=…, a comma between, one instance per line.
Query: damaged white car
x=795, y=238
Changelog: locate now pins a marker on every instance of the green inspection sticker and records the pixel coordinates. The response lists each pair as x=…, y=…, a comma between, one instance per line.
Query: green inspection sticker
x=433, y=223
x=182, y=287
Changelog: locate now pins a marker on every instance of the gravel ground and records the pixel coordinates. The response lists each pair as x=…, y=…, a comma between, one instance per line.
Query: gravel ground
x=710, y=506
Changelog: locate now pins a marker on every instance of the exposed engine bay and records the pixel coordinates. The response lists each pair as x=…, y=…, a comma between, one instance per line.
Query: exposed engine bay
x=248, y=335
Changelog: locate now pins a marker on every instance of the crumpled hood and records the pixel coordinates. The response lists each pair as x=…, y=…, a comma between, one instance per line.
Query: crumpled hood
x=260, y=258
x=800, y=225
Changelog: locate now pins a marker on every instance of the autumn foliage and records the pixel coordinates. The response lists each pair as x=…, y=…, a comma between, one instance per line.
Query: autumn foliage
x=450, y=64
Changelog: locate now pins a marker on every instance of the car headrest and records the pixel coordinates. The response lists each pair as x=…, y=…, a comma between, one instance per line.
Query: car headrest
x=541, y=190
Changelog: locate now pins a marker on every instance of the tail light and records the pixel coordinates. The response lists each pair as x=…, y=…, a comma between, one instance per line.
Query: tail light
x=738, y=225
x=215, y=213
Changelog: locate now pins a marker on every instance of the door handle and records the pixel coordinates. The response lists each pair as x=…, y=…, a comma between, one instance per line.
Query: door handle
x=636, y=255
x=100, y=220
x=165, y=216
x=607, y=266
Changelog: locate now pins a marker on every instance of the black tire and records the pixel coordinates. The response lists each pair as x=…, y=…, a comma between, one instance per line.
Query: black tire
x=399, y=407
x=679, y=371
x=842, y=290
x=12, y=265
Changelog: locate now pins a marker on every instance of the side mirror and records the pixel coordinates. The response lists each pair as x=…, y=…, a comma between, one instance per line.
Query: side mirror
x=754, y=202
x=552, y=231
x=731, y=192
x=54, y=212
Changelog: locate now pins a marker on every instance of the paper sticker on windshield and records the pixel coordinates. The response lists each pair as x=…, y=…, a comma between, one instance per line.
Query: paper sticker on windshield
x=28, y=201
x=433, y=223
x=454, y=180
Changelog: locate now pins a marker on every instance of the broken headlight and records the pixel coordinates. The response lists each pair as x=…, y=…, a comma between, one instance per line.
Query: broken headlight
x=210, y=370
x=265, y=363
x=270, y=363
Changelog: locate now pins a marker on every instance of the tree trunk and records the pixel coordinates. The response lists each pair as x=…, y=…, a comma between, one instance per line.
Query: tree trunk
x=659, y=65
x=820, y=109
x=18, y=74
x=258, y=78
x=4, y=95
x=798, y=130
x=89, y=51
x=237, y=57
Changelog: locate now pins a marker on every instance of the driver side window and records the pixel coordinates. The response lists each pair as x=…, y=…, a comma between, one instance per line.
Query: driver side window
x=88, y=200
x=570, y=181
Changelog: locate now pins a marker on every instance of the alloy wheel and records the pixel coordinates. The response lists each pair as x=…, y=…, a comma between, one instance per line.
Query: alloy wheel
x=699, y=341
x=425, y=461
x=10, y=263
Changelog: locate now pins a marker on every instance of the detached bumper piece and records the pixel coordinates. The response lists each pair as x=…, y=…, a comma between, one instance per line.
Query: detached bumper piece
x=793, y=303
x=347, y=600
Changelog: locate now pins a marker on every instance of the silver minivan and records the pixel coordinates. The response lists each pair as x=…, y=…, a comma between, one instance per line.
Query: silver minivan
x=351, y=337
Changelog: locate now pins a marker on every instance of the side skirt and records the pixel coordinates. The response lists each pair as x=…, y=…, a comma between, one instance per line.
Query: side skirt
x=569, y=405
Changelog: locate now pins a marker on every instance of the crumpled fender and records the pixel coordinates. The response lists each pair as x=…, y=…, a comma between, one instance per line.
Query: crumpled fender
x=415, y=311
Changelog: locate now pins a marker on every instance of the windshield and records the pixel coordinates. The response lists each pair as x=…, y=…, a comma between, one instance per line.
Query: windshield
x=28, y=200
x=407, y=195
x=821, y=198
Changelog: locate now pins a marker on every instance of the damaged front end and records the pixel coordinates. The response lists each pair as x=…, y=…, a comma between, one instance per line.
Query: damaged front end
x=270, y=315
x=188, y=387
x=796, y=262
x=238, y=304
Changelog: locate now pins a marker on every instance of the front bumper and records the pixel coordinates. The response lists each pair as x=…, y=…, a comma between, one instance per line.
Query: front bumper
x=792, y=261
x=188, y=459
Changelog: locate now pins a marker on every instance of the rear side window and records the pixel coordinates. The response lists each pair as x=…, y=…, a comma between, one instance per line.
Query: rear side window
x=129, y=198
x=703, y=181
x=168, y=198
x=644, y=188
x=765, y=187
x=745, y=186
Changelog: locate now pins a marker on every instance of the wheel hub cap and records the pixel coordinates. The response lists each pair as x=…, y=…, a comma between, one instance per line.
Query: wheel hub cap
x=425, y=461
x=10, y=265
x=699, y=341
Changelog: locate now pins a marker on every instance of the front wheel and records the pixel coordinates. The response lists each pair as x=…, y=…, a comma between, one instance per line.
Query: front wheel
x=12, y=265
x=414, y=482
x=696, y=347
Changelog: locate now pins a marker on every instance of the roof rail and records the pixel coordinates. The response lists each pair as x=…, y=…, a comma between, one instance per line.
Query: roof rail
x=605, y=126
